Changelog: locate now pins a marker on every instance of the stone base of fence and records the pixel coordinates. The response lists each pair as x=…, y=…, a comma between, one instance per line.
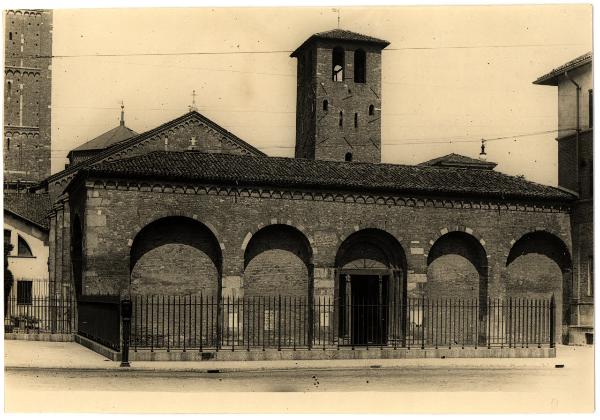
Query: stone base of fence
x=98, y=348
x=39, y=337
x=334, y=354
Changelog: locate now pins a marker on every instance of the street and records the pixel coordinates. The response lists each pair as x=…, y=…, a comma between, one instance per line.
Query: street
x=119, y=391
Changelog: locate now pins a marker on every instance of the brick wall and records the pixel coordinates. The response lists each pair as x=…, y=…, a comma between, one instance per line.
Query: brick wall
x=318, y=133
x=276, y=263
x=27, y=95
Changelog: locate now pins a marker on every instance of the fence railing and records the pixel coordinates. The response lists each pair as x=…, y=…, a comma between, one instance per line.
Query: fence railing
x=40, y=314
x=287, y=322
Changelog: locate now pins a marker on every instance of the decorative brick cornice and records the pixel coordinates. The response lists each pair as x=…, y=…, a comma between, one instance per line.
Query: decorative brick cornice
x=26, y=71
x=328, y=196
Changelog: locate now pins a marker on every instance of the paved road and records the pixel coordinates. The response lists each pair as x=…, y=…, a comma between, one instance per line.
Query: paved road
x=104, y=389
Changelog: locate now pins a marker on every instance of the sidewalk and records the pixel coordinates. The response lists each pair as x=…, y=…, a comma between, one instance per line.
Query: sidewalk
x=72, y=356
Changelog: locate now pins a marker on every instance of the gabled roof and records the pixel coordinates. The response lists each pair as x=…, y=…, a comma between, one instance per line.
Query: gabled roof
x=143, y=136
x=28, y=206
x=315, y=174
x=552, y=77
x=342, y=35
x=104, y=140
x=459, y=161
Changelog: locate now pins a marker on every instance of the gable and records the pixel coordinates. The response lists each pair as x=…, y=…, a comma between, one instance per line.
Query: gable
x=175, y=135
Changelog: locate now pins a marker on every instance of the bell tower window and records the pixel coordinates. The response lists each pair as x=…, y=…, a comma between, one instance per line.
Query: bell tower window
x=337, y=64
x=325, y=105
x=348, y=157
x=371, y=110
x=341, y=122
x=360, y=66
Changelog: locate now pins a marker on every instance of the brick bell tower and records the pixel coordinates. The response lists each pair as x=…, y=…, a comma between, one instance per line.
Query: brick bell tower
x=338, y=108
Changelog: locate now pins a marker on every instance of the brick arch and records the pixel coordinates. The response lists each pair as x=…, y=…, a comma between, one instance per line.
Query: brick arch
x=449, y=229
x=300, y=228
x=457, y=268
x=539, y=266
x=177, y=213
x=175, y=255
x=375, y=240
x=278, y=261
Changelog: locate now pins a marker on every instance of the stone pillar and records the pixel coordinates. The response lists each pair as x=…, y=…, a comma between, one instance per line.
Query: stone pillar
x=324, y=304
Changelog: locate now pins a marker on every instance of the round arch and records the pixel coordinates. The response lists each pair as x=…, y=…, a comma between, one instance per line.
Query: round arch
x=538, y=266
x=278, y=261
x=175, y=255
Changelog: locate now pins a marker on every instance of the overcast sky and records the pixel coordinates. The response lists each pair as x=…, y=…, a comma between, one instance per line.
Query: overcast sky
x=449, y=74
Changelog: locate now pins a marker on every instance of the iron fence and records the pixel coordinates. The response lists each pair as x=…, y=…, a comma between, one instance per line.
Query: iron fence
x=287, y=322
x=40, y=314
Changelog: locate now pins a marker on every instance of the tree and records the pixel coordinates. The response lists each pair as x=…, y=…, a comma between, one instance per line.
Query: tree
x=8, y=276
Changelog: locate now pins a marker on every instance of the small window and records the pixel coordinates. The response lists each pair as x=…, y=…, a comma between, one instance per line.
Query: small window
x=348, y=157
x=341, y=119
x=9, y=88
x=325, y=105
x=371, y=110
x=23, y=248
x=338, y=64
x=355, y=119
x=360, y=69
x=24, y=289
x=10, y=36
x=7, y=143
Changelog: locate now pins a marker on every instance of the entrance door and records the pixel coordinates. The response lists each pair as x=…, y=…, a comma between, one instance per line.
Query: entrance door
x=368, y=312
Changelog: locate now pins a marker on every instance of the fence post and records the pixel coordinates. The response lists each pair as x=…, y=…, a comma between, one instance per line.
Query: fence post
x=311, y=304
x=279, y=323
x=126, y=311
x=552, y=321
x=423, y=323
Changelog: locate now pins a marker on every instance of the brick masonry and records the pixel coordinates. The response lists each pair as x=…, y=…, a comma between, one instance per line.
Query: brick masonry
x=277, y=262
x=27, y=99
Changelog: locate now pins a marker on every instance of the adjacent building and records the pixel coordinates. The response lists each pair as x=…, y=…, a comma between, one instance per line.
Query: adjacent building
x=576, y=173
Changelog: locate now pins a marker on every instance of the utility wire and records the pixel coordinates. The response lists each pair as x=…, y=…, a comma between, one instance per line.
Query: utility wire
x=186, y=53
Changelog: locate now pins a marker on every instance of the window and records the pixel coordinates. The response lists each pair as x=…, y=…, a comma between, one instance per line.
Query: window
x=355, y=119
x=9, y=87
x=7, y=233
x=23, y=249
x=325, y=105
x=590, y=276
x=10, y=36
x=360, y=70
x=348, y=157
x=341, y=119
x=7, y=143
x=371, y=110
x=337, y=64
x=24, y=292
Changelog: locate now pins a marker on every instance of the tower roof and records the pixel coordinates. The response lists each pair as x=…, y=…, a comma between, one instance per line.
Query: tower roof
x=342, y=35
x=104, y=140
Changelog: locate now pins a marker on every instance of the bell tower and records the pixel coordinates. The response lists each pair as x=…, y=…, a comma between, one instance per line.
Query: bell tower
x=338, y=106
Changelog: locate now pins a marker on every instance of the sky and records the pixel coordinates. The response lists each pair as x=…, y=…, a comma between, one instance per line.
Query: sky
x=451, y=75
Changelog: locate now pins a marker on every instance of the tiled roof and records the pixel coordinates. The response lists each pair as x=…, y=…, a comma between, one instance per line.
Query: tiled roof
x=343, y=35
x=28, y=206
x=107, y=139
x=551, y=78
x=140, y=137
x=314, y=174
x=461, y=161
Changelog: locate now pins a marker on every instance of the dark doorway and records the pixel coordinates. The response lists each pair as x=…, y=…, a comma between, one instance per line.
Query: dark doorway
x=365, y=301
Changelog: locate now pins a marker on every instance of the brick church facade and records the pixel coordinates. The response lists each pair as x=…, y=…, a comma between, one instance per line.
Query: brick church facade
x=188, y=208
